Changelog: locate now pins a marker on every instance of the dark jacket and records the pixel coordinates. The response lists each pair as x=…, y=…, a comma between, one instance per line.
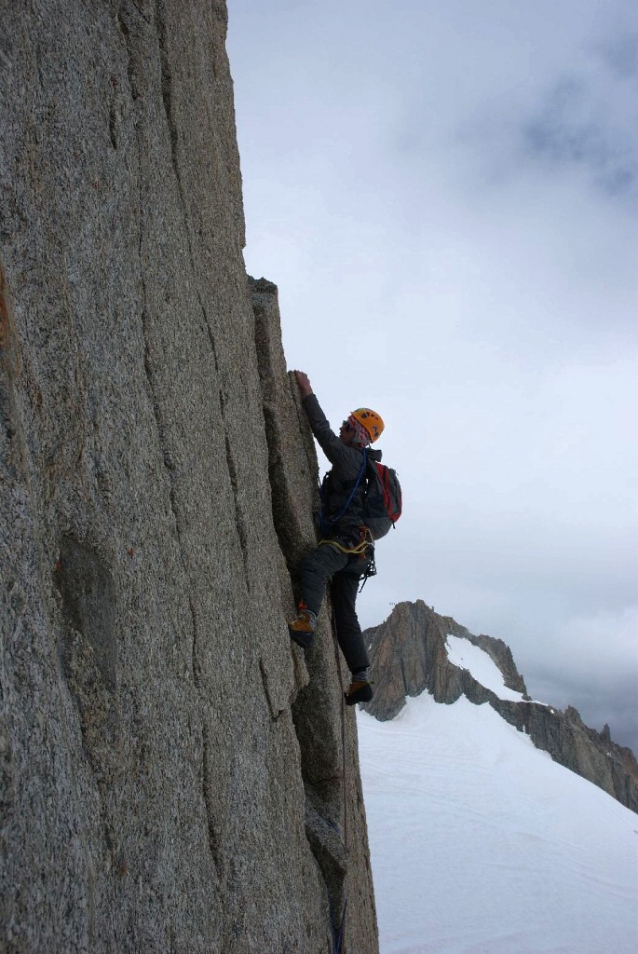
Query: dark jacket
x=347, y=462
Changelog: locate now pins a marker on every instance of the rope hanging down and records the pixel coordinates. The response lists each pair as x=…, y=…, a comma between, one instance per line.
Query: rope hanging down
x=337, y=936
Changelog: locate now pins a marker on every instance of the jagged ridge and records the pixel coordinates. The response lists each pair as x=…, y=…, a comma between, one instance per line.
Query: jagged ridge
x=409, y=656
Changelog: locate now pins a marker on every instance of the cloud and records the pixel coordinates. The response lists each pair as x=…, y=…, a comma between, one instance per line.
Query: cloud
x=619, y=52
x=443, y=195
x=590, y=662
x=573, y=126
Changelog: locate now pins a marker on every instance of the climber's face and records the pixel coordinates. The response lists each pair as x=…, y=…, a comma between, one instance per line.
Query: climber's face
x=346, y=432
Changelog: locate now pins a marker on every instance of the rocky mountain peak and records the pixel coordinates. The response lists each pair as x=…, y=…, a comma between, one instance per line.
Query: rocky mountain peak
x=411, y=653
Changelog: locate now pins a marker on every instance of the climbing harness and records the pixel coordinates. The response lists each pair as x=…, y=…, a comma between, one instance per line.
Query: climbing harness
x=359, y=549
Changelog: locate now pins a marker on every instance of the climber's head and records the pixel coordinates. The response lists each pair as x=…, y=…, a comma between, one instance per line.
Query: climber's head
x=363, y=427
x=347, y=431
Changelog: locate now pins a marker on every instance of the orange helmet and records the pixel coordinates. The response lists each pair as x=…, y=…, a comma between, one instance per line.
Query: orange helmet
x=371, y=422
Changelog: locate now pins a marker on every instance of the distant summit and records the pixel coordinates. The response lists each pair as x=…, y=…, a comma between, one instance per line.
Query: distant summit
x=416, y=650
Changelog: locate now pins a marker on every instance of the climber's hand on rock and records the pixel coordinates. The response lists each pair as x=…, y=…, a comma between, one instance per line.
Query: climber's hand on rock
x=303, y=382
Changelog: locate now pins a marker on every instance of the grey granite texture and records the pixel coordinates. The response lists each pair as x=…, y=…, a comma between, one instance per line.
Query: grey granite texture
x=326, y=729
x=160, y=778
x=408, y=657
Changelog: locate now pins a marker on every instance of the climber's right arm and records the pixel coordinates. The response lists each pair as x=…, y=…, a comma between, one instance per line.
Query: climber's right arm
x=333, y=447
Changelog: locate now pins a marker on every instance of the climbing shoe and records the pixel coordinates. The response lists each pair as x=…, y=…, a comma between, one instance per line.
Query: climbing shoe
x=359, y=691
x=302, y=627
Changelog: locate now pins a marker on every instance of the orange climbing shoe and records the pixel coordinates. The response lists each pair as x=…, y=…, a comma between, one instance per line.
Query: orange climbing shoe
x=302, y=627
x=359, y=691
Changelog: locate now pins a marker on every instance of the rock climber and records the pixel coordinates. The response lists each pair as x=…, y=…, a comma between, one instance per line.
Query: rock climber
x=345, y=553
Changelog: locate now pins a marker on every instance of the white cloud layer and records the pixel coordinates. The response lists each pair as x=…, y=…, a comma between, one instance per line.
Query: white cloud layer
x=446, y=197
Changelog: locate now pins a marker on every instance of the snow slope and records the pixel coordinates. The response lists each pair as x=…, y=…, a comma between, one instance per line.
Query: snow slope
x=481, y=844
x=466, y=655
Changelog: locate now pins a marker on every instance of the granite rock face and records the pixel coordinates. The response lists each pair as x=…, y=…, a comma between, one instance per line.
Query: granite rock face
x=408, y=656
x=325, y=728
x=170, y=779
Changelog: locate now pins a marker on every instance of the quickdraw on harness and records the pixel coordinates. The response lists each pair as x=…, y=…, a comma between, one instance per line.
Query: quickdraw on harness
x=370, y=570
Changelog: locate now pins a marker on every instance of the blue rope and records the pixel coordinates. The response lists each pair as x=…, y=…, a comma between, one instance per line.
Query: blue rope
x=337, y=937
x=343, y=924
x=323, y=525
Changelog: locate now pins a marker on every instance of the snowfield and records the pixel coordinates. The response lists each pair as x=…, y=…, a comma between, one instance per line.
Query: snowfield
x=467, y=656
x=481, y=844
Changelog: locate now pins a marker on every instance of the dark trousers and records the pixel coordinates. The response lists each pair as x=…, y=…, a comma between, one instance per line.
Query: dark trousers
x=328, y=563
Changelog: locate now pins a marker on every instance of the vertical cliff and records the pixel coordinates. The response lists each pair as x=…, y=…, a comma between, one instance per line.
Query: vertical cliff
x=171, y=778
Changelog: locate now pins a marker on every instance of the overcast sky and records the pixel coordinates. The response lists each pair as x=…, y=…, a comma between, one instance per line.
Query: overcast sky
x=445, y=194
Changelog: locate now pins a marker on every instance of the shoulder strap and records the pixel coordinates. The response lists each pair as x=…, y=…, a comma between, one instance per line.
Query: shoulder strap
x=344, y=509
